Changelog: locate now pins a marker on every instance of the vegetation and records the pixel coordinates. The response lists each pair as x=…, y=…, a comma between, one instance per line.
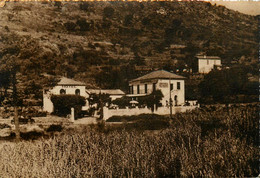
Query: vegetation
x=211, y=142
x=101, y=44
x=152, y=99
x=227, y=85
x=63, y=104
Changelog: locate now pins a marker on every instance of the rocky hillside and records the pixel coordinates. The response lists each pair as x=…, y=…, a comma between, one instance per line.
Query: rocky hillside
x=101, y=43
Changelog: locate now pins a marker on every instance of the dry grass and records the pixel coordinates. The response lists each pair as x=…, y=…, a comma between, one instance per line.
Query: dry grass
x=192, y=146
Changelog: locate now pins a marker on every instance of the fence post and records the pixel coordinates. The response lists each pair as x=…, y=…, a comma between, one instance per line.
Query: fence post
x=72, y=117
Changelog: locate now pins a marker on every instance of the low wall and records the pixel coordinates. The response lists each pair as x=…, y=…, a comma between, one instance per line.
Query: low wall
x=136, y=111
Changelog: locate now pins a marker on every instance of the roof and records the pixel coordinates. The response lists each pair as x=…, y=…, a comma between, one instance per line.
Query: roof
x=160, y=74
x=107, y=91
x=67, y=81
x=207, y=57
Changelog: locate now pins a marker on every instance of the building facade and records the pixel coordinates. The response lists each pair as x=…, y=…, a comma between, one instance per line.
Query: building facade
x=65, y=86
x=171, y=85
x=208, y=63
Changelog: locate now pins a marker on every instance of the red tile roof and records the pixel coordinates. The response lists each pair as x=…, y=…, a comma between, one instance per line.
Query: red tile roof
x=67, y=81
x=160, y=74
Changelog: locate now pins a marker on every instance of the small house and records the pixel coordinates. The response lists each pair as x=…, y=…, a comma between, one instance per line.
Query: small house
x=207, y=63
x=63, y=87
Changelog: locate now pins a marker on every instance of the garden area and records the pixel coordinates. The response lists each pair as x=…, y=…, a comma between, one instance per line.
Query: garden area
x=215, y=141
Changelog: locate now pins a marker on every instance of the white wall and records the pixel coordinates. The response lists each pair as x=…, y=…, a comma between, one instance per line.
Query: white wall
x=164, y=86
x=137, y=111
x=69, y=90
x=206, y=65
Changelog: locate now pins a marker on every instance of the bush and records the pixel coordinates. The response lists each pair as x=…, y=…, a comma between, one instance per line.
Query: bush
x=108, y=12
x=64, y=103
x=3, y=126
x=144, y=117
x=70, y=26
x=84, y=6
x=122, y=102
x=54, y=128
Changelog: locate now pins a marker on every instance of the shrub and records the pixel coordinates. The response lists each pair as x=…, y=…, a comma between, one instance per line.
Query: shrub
x=108, y=12
x=84, y=6
x=64, y=103
x=83, y=24
x=54, y=128
x=122, y=102
x=3, y=126
x=70, y=26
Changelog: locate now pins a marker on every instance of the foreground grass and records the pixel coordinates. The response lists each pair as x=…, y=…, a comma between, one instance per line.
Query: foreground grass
x=214, y=142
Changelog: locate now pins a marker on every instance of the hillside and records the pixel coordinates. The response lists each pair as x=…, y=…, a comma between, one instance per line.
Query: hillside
x=101, y=43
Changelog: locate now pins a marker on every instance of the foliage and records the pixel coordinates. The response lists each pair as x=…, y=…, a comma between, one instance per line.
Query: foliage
x=184, y=149
x=63, y=104
x=134, y=118
x=99, y=99
x=222, y=86
x=122, y=102
x=61, y=49
x=152, y=99
x=108, y=12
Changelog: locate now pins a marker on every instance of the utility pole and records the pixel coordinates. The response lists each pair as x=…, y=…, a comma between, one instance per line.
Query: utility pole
x=170, y=98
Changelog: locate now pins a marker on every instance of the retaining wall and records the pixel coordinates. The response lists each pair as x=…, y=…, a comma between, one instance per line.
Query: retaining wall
x=136, y=111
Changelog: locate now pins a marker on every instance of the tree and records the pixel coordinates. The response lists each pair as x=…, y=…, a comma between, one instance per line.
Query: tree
x=9, y=70
x=152, y=100
x=101, y=100
x=64, y=103
x=222, y=86
x=122, y=102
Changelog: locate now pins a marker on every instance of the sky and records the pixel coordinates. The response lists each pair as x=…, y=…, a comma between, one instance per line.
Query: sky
x=247, y=7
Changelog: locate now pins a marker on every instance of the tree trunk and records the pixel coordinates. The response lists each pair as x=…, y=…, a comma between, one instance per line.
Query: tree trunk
x=16, y=123
x=16, y=120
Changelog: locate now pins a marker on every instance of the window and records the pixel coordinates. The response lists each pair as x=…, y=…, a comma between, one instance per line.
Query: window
x=62, y=92
x=138, y=89
x=154, y=86
x=171, y=86
x=130, y=90
x=77, y=92
x=145, y=88
x=178, y=85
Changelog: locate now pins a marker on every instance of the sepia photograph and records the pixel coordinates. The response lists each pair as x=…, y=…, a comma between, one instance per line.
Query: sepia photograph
x=129, y=88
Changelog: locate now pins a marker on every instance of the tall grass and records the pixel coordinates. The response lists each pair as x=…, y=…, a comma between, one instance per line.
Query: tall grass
x=215, y=142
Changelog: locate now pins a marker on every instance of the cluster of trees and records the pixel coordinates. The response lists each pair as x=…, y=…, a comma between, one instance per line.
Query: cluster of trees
x=228, y=86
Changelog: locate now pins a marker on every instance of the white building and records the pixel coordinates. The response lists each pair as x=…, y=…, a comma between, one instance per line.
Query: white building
x=171, y=85
x=207, y=63
x=65, y=86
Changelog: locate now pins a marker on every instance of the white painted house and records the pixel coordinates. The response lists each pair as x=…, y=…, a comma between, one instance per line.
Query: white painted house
x=207, y=63
x=65, y=86
x=171, y=85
